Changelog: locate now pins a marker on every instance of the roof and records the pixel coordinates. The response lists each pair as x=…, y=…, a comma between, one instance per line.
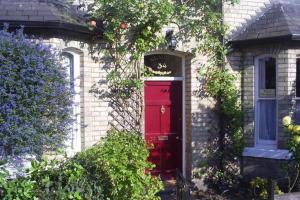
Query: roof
x=280, y=20
x=54, y=15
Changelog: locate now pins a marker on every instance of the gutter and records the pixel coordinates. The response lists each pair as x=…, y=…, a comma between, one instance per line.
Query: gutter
x=52, y=28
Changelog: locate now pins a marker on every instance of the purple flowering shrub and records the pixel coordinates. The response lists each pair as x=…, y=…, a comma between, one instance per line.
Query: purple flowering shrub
x=35, y=102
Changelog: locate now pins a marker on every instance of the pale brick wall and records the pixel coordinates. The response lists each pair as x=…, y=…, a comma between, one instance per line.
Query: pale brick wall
x=238, y=15
x=284, y=86
x=94, y=112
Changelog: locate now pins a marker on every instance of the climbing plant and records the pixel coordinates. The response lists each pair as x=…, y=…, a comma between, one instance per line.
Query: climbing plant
x=134, y=27
x=222, y=154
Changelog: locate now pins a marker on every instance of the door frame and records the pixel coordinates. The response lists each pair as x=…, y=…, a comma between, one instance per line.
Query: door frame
x=171, y=78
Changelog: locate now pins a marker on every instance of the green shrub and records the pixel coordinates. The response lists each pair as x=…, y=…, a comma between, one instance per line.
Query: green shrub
x=64, y=180
x=259, y=188
x=114, y=169
x=123, y=157
x=52, y=180
x=20, y=188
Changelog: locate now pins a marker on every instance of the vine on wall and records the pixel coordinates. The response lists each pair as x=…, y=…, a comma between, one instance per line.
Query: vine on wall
x=133, y=28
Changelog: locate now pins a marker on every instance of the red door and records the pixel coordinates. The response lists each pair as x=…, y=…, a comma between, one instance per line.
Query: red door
x=163, y=126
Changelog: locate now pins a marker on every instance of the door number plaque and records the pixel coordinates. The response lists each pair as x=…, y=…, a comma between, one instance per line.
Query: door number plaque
x=163, y=138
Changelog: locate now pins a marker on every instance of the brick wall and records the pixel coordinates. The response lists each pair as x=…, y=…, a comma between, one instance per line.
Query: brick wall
x=241, y=61
x=285, y=60
x=238, y=15
x=94, y=112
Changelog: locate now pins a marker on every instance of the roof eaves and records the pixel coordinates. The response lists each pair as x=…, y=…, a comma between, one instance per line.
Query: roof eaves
x=285, y=19
x=264, y=40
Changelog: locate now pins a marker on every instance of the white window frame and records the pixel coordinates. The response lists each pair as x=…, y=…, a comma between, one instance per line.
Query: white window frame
x=266, y=144
x=74, y=145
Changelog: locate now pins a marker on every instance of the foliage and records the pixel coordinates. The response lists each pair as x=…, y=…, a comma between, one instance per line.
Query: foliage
x=222, y=169
x=35, y=100
x=221, y=83
x=133, y=28
x=259, y=187
x=130, y=34
x=113, y=169
x=53, y=180
x=293, y=132
x=15, y=189
x=123, y=156
x=65, y=180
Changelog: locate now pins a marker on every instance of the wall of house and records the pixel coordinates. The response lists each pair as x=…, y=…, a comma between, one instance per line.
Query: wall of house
x=201, y=121
x=248, y=55
x=237, y=17
x=94, y=112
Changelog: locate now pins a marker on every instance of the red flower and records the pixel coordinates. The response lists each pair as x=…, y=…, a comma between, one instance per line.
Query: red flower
x=93, y=23
x=123, y=25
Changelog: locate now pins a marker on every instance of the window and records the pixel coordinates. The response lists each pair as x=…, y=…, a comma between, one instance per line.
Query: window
x=169, y=65
x=266, y=105
x=297, y=111
x=71, y=62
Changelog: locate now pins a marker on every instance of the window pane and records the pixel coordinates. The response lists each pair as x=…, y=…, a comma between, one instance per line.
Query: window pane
x=267, y=119
x=168, y=64
x=267, y=77
x=297, y=112
x=68, y=63
x=298, y=78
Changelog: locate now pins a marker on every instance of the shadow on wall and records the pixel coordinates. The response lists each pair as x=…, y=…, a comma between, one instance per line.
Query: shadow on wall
x=204, y=125
x=124, y=112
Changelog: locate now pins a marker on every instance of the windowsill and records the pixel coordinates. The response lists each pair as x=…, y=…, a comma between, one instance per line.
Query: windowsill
x=259, y=152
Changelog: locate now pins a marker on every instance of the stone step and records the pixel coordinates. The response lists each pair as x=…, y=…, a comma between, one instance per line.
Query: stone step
x=288, y=196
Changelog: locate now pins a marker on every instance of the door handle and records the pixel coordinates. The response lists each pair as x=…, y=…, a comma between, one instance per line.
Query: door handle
x=178, y=138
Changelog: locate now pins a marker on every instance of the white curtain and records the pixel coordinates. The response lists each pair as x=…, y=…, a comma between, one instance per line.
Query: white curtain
x=266, y=105
x=297, y=112
x=267, y=119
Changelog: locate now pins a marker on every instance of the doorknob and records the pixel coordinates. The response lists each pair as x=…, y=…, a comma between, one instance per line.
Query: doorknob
x=162, y=109
x=178, y=138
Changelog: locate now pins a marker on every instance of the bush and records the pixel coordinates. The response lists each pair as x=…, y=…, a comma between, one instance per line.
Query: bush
x=123, y=157
x=259, y=188
x=35, y=102
x=64, y=180
x=113, y=169
x=52, y=180
x=293, y=144
x=20, y=188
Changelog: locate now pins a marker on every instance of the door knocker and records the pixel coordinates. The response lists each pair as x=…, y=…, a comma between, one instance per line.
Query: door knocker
x=162, y=109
